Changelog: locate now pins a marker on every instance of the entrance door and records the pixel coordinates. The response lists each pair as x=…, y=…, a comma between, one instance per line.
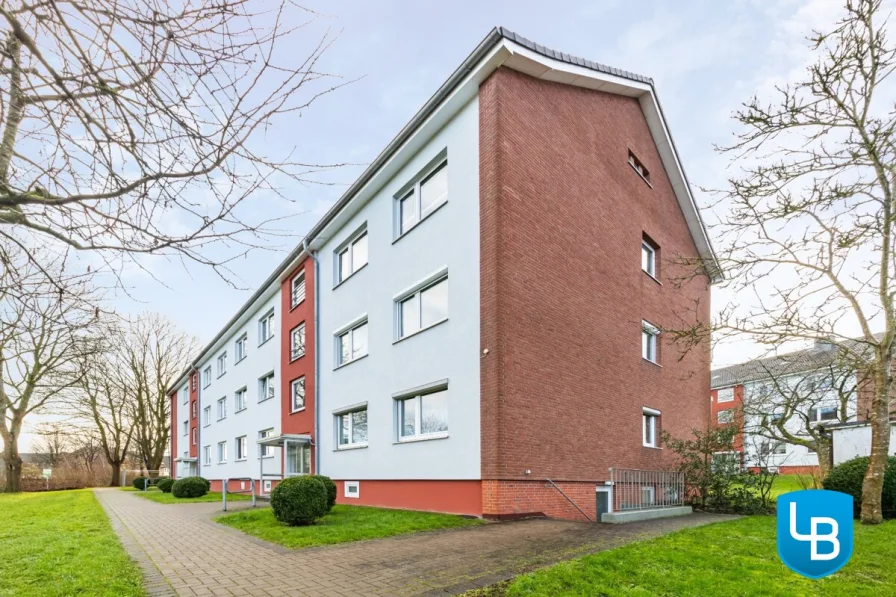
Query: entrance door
x=604, y=494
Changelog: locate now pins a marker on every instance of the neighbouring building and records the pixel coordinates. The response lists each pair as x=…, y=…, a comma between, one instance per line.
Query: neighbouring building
x=475, y=324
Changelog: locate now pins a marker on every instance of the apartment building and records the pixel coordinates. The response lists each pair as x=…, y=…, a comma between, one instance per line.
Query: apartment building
x=805, y=388
x=482, y=308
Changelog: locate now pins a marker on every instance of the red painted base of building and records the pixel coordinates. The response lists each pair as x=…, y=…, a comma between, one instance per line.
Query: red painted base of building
x=794, y=470
x=454, y=497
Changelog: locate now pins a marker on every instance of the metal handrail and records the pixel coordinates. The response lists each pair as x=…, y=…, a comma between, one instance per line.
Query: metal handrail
x=568, y=499
x=224, y=490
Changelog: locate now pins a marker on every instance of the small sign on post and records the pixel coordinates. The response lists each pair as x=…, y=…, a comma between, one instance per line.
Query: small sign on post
x=47, y=473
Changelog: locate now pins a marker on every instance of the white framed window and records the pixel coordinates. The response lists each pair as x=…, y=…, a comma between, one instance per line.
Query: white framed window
x=650, y=427
x=351, y=256
x=779, y=448
x=185, y=394
x=186, y=427
x=725, y=416
x=242, y=448
x=206, y=416
x=423, y=198
x=649, y=335
x=266, y=327
x=635, y=163
x=353, y=489
x=351, y=344
x=351, y=428
x=239, y=400
x=207, y=455
x=194, y=436
x=648, y=257
x=266, y=451
x=297, y=342
x=266, y=389
x=239, y=348
x=423, y=416
x=222, y=452
x=193, y=410
x=222, y=408
x=193, y=379
x=298, y=459
x=207, y=376
x=222, y=364
x=423, y=308
x=297, y=390
x=726, y=395
x=298, y=290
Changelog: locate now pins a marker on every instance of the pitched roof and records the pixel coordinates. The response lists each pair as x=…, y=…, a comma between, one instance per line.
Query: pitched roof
x=801, y=361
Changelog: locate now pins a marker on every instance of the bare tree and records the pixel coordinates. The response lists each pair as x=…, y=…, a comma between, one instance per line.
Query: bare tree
x=790, y=408
x=811, y=215
x=43, y=333
x=88, y=449
x=52, y=444
x=139, y=126
x=155, y=351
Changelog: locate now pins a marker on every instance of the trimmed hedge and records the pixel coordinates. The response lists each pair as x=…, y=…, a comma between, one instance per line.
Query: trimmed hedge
x=139, y=483
x=331, y=490
x=164, y=485
x=299, y=500
x=190, y=487
x=847, y=477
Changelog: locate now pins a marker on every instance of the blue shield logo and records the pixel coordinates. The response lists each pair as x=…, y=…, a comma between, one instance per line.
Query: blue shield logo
x=815, y=533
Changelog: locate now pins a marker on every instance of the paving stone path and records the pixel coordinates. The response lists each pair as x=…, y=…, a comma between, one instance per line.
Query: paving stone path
x=182, y=551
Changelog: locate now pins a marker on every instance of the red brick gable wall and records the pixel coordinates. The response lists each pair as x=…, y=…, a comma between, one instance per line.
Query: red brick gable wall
x=562, y=216
x=736, y=404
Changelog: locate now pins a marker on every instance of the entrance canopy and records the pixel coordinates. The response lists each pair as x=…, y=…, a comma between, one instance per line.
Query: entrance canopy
x=279, y=441
x=185, y=459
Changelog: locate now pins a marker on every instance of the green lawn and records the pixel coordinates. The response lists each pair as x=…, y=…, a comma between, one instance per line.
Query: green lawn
x=730, y=558
x=341, y=525
x=787, y=483
x=59, y=544
x=166, y=498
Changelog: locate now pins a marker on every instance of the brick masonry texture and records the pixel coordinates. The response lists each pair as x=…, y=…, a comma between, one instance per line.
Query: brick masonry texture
x=562, y=216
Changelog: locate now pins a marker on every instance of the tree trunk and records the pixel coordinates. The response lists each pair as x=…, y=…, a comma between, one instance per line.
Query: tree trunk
x=12, y=462
x=872, y=486
x=116, y=474
x=825, y=452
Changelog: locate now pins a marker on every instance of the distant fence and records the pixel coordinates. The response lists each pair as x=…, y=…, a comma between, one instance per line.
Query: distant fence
x=635, y=489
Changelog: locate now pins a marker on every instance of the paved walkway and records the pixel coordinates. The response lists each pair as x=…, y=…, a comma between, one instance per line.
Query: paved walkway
x=183, y=552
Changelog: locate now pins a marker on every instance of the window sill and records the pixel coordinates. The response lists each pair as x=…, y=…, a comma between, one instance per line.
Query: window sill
x=221, y=375
x=350, y=276
x=240, y=460
x=221, y=419
x=236, y=412
x=235, y=363
x=422, y=438
x=651, y=276
x=266, y=340
x=654, y=363
x=420, y=221
x=222, y=462
x=298, y=410
x=268, y=457
x=294, y=359
x=347, y=363
x=266, y=400
x=298, y=304
x=640, y=175
x=208, y=425
x=350, y=447
x=651, y=447
x=421, y=330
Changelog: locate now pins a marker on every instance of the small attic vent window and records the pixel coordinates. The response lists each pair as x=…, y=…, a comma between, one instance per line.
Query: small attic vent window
x=638, y=167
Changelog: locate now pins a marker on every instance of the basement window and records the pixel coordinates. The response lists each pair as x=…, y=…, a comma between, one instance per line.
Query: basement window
x=638, y=167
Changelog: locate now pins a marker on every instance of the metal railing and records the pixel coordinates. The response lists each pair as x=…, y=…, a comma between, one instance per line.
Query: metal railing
x=225, y=491
x=635, y=489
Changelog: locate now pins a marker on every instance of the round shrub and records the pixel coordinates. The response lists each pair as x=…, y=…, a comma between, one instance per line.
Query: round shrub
x=331, y=490
x=164, y=485
x=139, y=483
x=848, y=476
x=299, y=500
x=190, y=487
x=208, y=484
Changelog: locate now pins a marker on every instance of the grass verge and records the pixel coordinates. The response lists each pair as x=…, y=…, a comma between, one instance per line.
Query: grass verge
x=166, y=498
x=342, y=525
x=60, y=543
x=730, y=558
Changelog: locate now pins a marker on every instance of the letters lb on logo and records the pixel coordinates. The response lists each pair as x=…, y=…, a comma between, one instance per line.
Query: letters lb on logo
x=815, y=533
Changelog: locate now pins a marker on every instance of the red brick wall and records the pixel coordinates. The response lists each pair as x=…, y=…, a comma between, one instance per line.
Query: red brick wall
x=515, y=499
x=737, y=404
x=301, y=422
x=562, y=215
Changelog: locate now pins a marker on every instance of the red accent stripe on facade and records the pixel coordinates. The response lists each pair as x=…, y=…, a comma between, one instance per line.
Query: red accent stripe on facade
x=173, y=452
x=194, y=414
x=455, y=497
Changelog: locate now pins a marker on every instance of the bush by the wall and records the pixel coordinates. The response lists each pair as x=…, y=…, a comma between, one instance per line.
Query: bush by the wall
x=190, y=487
x=208, y=484
x=331, y=490
x=164, y=485
x=139, y=483
x=299, y=500
x=847, y=477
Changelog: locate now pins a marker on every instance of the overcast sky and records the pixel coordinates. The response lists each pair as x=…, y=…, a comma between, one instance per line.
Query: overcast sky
x=705, y=58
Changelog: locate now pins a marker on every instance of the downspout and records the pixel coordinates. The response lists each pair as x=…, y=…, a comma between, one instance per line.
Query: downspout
x=313, y=256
